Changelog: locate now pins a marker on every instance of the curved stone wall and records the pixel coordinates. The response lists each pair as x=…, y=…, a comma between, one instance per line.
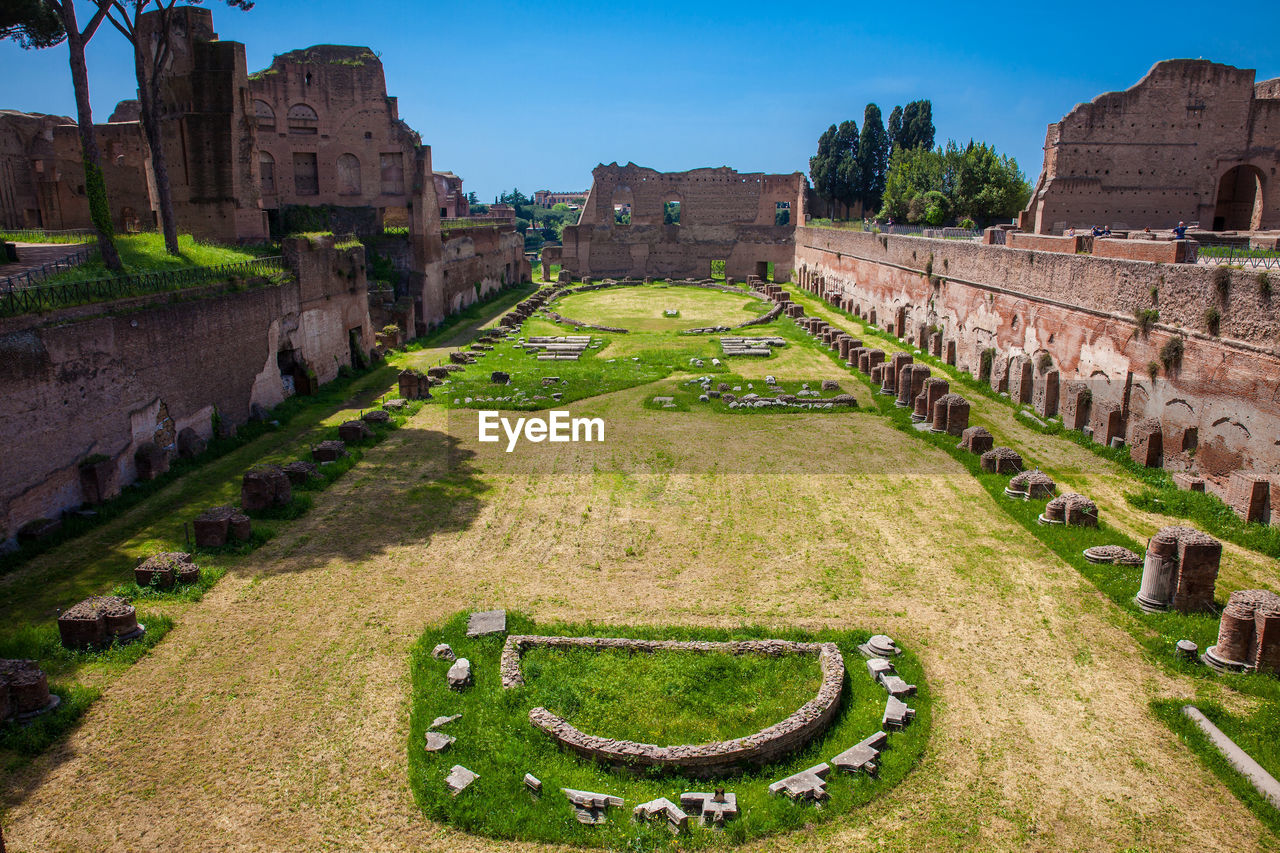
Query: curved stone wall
x=707, y=759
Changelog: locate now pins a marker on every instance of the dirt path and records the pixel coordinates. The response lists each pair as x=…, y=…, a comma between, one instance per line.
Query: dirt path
x=274, y=716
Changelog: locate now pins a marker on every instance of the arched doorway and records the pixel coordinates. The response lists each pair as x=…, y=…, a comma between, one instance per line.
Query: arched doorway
x=1239, y=204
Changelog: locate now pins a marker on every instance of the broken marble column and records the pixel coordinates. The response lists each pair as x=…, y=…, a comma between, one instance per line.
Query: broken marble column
x=662, y=809
x=808, y=784
x=715, y=808
x=459, y=779
x=896, y=714
x=589, y=807
x=862, y=756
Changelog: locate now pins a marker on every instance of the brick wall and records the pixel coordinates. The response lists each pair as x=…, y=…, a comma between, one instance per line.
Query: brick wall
x=1079, y=310
x=90, y=381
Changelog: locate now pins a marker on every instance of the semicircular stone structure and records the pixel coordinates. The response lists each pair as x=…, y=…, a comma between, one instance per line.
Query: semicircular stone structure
x=705, y=759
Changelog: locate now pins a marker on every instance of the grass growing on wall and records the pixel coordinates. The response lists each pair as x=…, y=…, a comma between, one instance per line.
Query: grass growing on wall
x=145, y=253
x=665, y=698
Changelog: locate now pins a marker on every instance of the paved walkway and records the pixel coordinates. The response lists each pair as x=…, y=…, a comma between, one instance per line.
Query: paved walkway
x=34, y=255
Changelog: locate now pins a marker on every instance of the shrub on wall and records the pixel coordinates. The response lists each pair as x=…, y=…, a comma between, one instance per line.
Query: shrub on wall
x=1212, y=319
x=1171, y=353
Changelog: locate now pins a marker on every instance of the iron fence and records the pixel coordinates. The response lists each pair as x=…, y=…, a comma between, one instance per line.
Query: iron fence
x=34, y=275
x=64, y=294
x=1228, y=254
x=42, y=235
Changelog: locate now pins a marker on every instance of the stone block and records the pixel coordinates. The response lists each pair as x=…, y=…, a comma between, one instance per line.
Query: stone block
x=1146, y=443
x=590, y=807
x=460, y=778
x=443, y=651
x=1045, y=394
x=377, y=416
x=1188, y=482
x=265, y=487
x=1106, y=421
x=437, y=742
x=715, y=808
x=329, y=451
x=459, y=674
x=1075, y=404
x=664, y=810
x=484, y=622
x=165, y=569
x=810, y=784
x=862, y=756
x=24, y=689
x=1001, y=460
x=1249, y=495
x=214, y=527
x=976, y=439
x=300, y=472
x=896, y=714
x=96, y=621
x=1020, y=376
x=354, y=431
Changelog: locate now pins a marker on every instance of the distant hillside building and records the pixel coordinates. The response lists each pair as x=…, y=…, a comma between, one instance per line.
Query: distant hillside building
x=1193, y=140
x=547, y=198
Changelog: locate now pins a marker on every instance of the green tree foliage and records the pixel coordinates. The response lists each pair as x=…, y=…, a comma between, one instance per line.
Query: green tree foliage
x=873, y=158
x=515, y=198
x=472, y=198
x=31, y=23
x=916, y=128
x=671, y=213
x=937, y=185
x=834, y=169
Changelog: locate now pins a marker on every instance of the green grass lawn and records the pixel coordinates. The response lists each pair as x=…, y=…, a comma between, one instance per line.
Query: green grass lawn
x=145, y=253
x=695, y=698
x=663, y=698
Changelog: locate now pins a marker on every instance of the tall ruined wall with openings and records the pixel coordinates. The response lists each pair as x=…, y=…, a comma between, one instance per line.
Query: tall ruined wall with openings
x=328, y=133
x=109, y=379
x=724, y=215
x=1193, y=140
x=1218, y=405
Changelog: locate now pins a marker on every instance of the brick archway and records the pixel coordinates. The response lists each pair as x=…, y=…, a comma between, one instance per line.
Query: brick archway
x=1239, y=203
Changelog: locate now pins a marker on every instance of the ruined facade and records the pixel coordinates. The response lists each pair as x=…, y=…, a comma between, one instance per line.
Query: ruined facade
x=1192, y=141
x=1065, y=325
x=327, y=133
x=108, y=384
x=452, y=200
x=722, y=216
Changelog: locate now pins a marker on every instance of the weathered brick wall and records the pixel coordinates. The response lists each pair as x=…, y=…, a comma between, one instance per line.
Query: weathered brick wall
x=1156, y=153
x=724, y=215
x=93, y=381
x=1080, y=311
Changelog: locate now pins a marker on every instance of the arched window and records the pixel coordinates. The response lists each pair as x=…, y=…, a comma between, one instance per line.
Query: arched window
x=267, y=172
x=264, y=114
x=348, y=175
x=671, y=210
x=303, y=120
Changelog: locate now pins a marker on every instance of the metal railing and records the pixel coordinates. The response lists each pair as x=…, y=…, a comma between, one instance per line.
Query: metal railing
x=48, y=297
x=932, y=231
x=34, y=275
x=42, y=235
x=1228, y=254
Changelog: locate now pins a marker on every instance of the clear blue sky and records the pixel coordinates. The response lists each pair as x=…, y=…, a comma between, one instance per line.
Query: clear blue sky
x=534, y=95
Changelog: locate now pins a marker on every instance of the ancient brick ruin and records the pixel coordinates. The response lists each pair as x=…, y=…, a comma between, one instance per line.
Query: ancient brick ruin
x=723, y=216
x=1248, y=633
x=1192, y=141
x=709, y=759
x=1180, y=571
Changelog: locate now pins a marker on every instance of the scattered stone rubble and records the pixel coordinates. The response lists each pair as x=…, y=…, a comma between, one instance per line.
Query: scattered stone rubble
x=665, y=810
x=459, y=779
x=807, y=785
x=750, y=346
x=459, y=675
x=484, y=622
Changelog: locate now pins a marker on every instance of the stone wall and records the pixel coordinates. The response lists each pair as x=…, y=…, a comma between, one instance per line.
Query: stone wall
x=107, y=379
x=1218, y=401
x=1192, y=140
x=724, y=216
x=701, y=760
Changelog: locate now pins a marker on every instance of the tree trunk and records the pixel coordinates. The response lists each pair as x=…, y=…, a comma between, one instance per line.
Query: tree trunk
x=148, y=102
x=95, y=186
